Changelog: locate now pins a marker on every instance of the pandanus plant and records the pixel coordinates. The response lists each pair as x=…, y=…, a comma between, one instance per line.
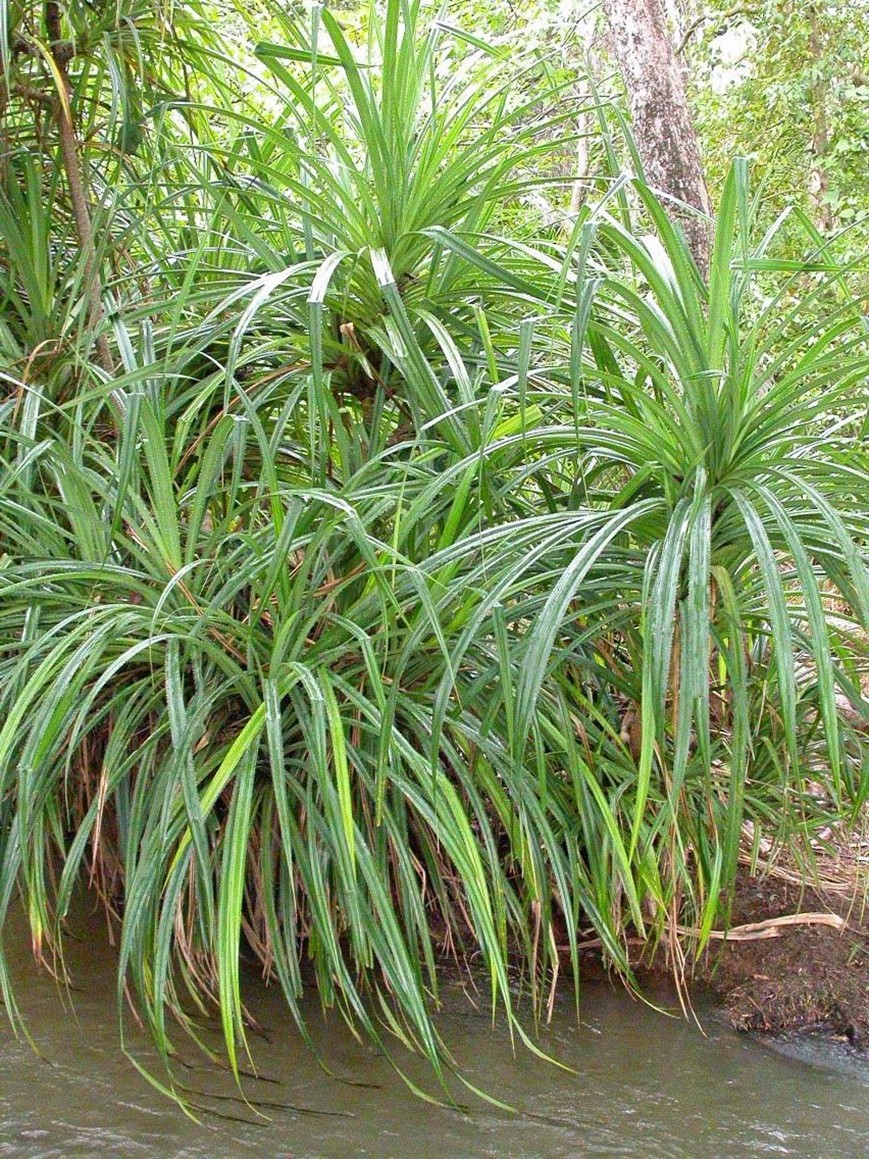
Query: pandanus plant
x=340, y=682
x=715, y=436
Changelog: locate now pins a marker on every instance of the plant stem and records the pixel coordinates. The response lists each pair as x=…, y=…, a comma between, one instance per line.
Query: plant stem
x=73, y=170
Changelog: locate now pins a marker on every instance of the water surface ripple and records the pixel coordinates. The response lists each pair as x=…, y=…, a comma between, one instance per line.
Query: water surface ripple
x=642, y=1085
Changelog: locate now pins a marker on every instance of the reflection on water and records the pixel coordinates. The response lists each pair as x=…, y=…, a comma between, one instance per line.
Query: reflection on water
x=643, y=1085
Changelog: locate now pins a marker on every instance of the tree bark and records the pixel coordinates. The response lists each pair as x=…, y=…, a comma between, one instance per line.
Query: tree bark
x=663, y=128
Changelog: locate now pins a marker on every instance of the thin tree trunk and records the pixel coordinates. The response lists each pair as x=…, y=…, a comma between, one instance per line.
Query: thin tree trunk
x=818, y=183
x=663, y=127
x=72, y=170
x=579, y=191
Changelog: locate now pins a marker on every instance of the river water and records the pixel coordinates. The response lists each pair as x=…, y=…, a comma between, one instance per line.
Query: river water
x=641, y=1084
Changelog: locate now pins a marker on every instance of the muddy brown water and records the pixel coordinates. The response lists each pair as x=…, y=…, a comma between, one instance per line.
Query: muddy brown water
x=640, y=1084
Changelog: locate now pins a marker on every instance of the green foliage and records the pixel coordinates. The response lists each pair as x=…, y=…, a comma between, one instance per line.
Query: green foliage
x=794, y=100
x=324, y=618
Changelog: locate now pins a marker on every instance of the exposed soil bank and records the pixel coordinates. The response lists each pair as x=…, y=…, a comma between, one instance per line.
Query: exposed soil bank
x=796, y=957
x=808, y=977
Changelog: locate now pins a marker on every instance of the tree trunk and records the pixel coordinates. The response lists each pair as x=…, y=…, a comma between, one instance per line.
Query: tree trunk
x=663, y=128
x=579, y=191
x=818, y=184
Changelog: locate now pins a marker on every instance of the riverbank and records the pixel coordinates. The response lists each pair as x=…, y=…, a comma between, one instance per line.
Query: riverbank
x=808, y=976
x=795, y=956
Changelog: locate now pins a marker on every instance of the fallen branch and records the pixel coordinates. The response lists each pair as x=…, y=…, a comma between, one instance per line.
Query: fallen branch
x=772, y=927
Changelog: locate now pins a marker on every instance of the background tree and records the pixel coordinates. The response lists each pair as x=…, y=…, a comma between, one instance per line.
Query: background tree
x=785, y=83
x=662, y=122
